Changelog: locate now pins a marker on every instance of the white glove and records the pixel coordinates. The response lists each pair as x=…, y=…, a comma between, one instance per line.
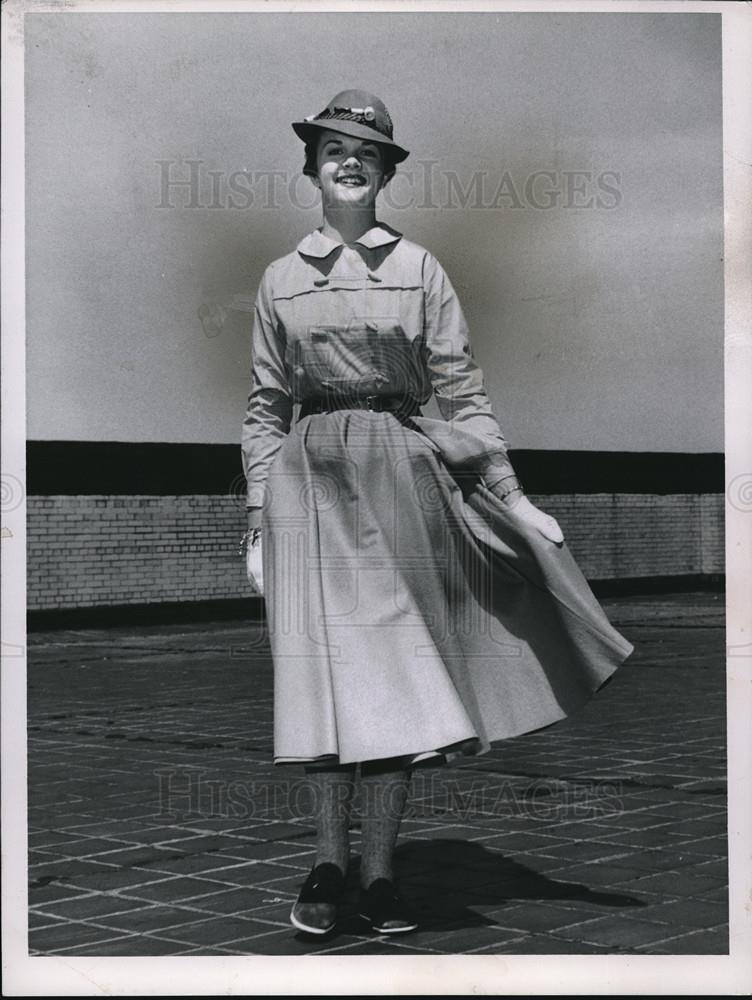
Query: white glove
x=253, y=565
x=536, y=518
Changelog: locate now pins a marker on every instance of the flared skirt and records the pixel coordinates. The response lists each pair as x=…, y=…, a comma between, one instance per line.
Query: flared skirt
x=412, y=614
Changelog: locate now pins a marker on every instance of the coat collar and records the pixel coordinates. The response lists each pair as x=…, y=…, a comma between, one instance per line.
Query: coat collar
x=315, y=244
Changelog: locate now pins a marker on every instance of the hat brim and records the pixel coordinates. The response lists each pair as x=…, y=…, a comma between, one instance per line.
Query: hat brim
x=310, y=130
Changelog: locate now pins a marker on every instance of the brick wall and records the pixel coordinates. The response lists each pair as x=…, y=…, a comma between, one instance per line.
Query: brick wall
x=96, y=550
x=90, y=550
x=617, y=536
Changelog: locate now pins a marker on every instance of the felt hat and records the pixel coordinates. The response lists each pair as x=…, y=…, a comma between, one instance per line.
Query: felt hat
x=356, y=113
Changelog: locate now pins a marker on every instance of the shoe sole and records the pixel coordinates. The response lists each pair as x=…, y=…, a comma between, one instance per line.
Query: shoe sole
x=388, y=930
x=310, y=930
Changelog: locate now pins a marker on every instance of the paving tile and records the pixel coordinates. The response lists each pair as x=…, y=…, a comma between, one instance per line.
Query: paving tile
x=716, y=894
x=131, y=832
x=214, y=930
x=714, y=866
x=542, y=944
x=656, y=859
x=598, y=874
x=196, y=864
x=578, y=851
x=512, y=843
x=616, y=814
x=66, y=934
x=459, y=940
x=637, y=821
x=689, y=912
x=116, y=878
x=710, y=942
x=41, y=894
x=174, y=889
x=683, y=809
x=279, y=831
x=379, y=946
x=449, y=880
x=239, y=901
x=288, y=942
x=84, y=847
x=647, y=837
x=388, y=947
x=38, y=856
x=260, y=851
x=697, y=827
x=597, y=904
x=261, y=877
x=65, y=868
x=201, y=950
x=578, y=830
x=222, y=824
x=134, y=945
x=131, y=857
x=681, y=883
x=534, y=918
x=615, y=931
x=86, y=907
x=38, y=918
x=708, y=847
x=47, y=838
x=278, y=914
x=148, y=919
x=201, y=844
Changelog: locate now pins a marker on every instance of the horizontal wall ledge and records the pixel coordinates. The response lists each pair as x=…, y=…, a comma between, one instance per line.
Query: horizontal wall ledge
x=249, y=609
x=252, y=609
x=117, y=468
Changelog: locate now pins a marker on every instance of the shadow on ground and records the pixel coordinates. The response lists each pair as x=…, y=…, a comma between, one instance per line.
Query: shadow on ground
x=443, y=879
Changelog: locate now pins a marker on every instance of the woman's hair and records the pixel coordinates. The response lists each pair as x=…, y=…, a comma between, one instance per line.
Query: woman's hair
x=310, y=168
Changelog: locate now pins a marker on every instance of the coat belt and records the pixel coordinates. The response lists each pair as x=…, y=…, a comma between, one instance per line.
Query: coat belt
x=400, y=406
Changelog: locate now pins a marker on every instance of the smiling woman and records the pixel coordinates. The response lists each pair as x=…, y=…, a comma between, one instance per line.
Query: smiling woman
x=341, y=160
x=420, y=606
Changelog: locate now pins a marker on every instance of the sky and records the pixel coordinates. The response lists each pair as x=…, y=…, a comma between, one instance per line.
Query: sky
x=566, y=169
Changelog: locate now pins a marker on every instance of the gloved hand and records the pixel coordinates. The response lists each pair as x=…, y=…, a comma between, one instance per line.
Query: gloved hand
x=532, y=515
x=254, y=566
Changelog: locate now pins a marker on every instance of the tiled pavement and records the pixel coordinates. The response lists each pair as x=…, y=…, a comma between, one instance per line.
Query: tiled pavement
x=158, y=825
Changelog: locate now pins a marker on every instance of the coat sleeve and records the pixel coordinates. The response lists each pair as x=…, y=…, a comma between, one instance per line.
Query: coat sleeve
x=269, y=412
x=474, y=438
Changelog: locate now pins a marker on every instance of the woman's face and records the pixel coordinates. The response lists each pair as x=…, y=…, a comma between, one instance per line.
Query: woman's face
x=350, y=170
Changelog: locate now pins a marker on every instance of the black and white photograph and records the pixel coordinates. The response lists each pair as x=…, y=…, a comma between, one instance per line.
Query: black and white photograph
x=376, y=495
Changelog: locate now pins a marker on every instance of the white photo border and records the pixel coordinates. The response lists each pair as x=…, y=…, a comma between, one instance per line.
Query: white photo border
x=337, y=975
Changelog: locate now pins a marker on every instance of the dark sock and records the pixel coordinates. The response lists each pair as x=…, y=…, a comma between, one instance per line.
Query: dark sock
x=332, y=796
x=384, y=787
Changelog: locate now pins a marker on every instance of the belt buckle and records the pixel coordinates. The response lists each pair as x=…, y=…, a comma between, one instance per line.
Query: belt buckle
x=370, y=402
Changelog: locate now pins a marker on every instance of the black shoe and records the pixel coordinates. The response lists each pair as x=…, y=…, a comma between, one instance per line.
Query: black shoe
x=315, y=910
x=384, y=909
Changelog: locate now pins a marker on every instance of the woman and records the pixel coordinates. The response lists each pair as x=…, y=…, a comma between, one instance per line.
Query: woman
x=419, y=605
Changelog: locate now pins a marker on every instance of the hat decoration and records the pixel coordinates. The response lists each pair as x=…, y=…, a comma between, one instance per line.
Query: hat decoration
x=356, y=113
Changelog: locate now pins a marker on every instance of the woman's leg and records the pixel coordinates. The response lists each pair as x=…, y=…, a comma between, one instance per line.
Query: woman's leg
x=384, y=786
x=332, y=796
x=315, y=910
